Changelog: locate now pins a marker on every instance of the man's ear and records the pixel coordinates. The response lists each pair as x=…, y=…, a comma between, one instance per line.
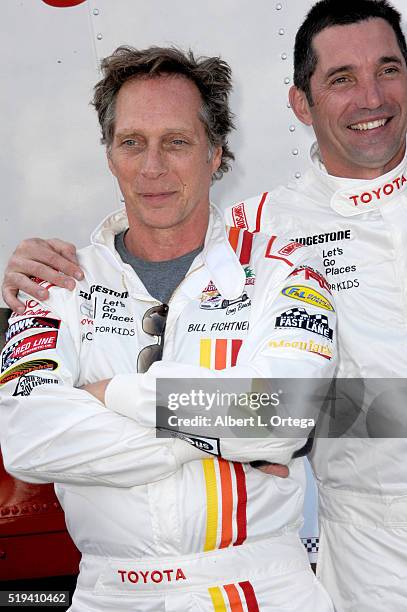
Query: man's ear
x=216, y=159
x=300, y=105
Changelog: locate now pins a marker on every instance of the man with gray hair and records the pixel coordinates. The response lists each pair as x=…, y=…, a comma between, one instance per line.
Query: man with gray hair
x=184, y=522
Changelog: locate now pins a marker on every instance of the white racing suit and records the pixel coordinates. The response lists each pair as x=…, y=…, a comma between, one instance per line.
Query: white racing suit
x=360, y=227
x=162, y=525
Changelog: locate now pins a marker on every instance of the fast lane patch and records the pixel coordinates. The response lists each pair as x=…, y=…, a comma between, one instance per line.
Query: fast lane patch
x=300, y=319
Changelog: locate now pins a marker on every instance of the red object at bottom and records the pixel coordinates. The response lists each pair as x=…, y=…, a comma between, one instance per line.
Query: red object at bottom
x=34, y=542
x=63, y=3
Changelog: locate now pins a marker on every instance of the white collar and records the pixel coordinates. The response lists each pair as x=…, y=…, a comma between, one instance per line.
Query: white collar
x=225, y=269
x=218, y=256
x=349, y=197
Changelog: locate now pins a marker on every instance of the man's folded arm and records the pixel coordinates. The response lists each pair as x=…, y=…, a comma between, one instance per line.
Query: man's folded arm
x=301, y=355
x=53, y=432
x=60, y=433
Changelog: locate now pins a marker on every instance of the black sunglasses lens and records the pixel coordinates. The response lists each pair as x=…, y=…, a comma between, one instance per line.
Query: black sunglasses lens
x=153, y=323
x=147, y=356
x=155, y=319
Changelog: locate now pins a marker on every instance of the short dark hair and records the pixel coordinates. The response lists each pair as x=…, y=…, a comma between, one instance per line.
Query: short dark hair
x=328, y=13
x=211, y=75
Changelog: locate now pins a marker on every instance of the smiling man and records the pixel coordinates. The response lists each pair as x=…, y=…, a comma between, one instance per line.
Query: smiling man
x=162, y=524
x=356, y=99
x=161, y=200
x=350, y=80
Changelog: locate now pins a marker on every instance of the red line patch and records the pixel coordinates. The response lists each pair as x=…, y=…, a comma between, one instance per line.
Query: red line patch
x=27, y=346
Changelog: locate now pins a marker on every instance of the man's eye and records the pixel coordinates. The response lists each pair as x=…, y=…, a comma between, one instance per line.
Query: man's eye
x=391, y=70
x=178, y=141
x=129, y=142
x=340, y=80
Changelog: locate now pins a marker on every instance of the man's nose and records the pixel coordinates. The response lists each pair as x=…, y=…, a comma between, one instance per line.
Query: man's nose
x=153, y=162
x=370, y=94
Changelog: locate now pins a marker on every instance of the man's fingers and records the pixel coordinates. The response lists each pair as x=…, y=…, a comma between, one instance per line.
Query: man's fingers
x=9, y=296
x=51, y=260
x=59, y=263
x=276, y=469
x=36, y=258
x=36, y=250
x=68, y=251
x=55, y=255
x=19, y=269
x=15, y=282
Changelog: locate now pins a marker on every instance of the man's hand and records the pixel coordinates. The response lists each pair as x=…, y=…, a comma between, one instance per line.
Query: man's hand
x=52, y=260
x=97, y=389
x=275, y=469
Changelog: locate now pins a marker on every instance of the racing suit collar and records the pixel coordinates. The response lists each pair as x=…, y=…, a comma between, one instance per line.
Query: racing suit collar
x=217, y=262
x=349, y=197
x=220, y=259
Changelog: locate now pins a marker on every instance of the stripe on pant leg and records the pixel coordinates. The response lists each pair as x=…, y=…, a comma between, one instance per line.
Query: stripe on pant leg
x=217, y=599
x=234, y=598
x=250, y=596
x=227, y=503
x=211, y=504
x=241, y=517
